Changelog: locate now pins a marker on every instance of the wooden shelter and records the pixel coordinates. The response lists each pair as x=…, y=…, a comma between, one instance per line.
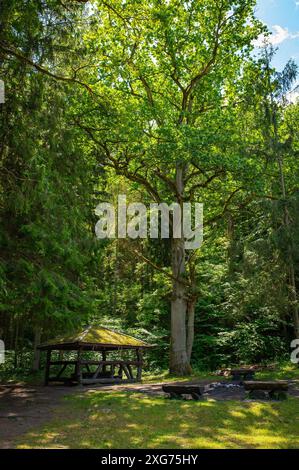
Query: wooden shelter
x=101, y=341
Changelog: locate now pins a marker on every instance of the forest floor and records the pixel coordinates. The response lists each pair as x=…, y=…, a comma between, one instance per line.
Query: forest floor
x=138, y=415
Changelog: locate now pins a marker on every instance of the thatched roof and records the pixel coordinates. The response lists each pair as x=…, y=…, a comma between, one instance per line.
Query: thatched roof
x=95, y=338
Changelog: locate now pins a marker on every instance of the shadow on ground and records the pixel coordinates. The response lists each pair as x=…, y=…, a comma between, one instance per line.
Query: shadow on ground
x=24, y=409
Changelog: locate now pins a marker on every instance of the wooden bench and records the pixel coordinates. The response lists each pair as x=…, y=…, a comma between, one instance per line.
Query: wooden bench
x=276, y=389
x=176, y=391
x=242, y=374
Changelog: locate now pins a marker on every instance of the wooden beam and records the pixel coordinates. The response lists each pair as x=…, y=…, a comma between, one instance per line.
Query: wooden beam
x=78, y=367
x=97, y=371
x=110, y=363
x=61, y=371
x=139, y=364
x=60, y=363
x=120, y=372
x=105, y=380
x=126, y=371
x=47, y=371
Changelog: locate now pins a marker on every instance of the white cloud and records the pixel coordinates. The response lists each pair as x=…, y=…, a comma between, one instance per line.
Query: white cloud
x=293, y=96
x=278, y=36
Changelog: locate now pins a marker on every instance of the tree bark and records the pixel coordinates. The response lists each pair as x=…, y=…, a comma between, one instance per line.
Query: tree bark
x=190, y=327
x=36, y=352
x=179, y=363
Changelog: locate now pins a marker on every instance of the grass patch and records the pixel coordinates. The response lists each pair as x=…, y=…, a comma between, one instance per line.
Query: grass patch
x=119, y=420
x=284, y=371
x=149, y=377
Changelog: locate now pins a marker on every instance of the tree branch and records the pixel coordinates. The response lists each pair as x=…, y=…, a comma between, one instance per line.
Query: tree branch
x=162, y=270
x=18, y=55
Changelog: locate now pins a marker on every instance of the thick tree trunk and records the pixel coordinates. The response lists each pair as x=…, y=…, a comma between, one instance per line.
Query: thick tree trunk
x=179, y=363
x=190, y=327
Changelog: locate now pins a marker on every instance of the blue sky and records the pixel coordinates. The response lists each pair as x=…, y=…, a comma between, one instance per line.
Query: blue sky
x=282, y=18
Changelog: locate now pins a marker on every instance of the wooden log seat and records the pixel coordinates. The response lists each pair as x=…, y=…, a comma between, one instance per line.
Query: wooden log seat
x=276, y=389
x=176, y=391
x=242, y=374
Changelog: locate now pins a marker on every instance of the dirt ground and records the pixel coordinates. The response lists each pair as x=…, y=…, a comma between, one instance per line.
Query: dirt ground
x=23, y=408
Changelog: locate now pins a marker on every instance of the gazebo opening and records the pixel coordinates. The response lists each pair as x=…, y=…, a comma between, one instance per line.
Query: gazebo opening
x=94, y=355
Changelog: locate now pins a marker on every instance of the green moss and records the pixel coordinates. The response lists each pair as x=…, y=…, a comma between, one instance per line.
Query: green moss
x=98, y=335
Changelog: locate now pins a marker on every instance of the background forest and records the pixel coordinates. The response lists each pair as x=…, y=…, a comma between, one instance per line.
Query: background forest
x=107, y=98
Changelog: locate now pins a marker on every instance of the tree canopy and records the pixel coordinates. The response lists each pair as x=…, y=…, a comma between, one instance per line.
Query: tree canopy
x=164, y=101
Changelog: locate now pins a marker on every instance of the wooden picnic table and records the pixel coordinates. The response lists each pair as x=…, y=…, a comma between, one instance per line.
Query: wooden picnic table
x=242, y=374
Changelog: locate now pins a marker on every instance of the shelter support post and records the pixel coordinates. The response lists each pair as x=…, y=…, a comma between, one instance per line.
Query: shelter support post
x=79, y=367
x=47, y=371
x=139, y=367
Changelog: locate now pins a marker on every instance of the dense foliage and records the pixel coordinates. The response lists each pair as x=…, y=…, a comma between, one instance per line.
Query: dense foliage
x=98, y=104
